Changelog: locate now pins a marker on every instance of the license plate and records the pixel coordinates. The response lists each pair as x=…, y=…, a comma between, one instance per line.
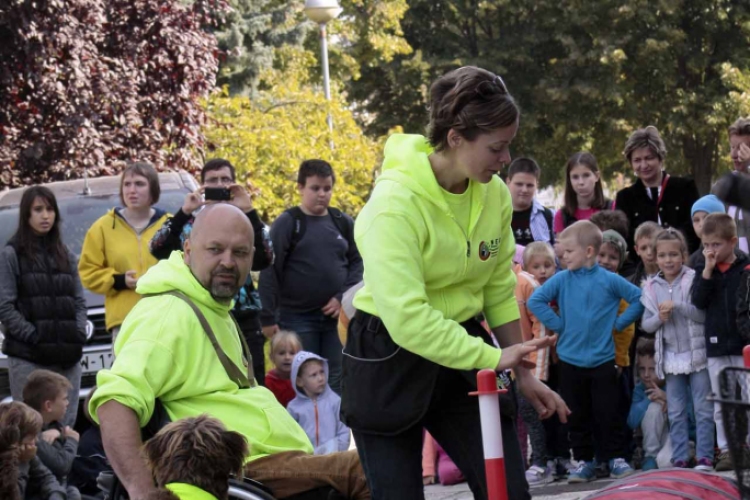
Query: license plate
x=92, y=363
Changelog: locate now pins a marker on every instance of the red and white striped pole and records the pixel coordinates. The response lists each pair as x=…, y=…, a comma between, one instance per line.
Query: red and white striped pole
x=492, y=437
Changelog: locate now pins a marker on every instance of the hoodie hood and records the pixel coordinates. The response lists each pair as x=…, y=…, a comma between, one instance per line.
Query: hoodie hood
x=174, y=274
x=406, y=161
x=300, y=358
x=116, y=214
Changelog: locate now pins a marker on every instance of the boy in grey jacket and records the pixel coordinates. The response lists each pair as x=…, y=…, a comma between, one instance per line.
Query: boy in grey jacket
x=316, y=407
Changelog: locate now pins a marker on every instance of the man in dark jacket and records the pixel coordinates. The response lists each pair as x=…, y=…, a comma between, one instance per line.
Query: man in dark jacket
x=219, y=173
x=715, y=291
x=655, y=195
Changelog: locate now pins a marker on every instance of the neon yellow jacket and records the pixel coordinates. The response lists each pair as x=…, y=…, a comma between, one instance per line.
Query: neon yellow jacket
x=185, y=491
x=111, y=248
x=423, y=274
x=162, y=352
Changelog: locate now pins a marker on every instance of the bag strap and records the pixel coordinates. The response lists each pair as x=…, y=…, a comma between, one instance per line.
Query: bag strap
x=233, y=371
x=549, y=218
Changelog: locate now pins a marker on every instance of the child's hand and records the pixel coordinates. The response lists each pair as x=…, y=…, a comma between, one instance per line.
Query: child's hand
x=26, y=452
x=665, y=310
x=428, y=480
x=332, y=308
x=70, y=433
x=50, y=435
x=710, y=256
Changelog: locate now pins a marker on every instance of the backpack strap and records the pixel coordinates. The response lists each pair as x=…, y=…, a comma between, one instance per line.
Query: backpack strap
x=549, y=218
x=298, y=229
x=233, y=371
x=342, y=224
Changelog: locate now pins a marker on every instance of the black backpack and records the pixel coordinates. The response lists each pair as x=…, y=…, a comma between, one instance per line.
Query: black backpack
x=300, y=226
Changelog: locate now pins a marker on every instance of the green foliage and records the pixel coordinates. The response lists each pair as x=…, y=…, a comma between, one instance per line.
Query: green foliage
x=268, y=137
x=585, y=72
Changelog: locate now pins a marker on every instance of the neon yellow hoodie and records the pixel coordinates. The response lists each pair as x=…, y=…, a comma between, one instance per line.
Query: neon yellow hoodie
x=162, y=352
x=112, y=247
x=423, y=273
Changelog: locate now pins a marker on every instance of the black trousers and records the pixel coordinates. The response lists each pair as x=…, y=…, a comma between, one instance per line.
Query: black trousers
x=594, y=398
x=555, y=431
x=393, y=464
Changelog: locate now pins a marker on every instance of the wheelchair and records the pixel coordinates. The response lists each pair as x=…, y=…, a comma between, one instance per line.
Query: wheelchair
x=239, y=489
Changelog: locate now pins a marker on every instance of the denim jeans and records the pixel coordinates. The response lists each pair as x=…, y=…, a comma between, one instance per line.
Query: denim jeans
x=679, y=388
x=319, y=335
x=393, y=464
x=20, y=369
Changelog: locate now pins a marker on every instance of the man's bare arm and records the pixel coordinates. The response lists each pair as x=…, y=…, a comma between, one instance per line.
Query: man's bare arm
x=121, y=436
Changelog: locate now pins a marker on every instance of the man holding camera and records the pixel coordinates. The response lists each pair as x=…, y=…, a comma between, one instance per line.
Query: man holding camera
x=218, y=185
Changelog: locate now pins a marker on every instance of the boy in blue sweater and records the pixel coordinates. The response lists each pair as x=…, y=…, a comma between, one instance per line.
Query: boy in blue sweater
x=588, y=298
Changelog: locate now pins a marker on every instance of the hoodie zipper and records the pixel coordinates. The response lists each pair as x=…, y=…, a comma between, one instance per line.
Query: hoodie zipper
x=317, y=426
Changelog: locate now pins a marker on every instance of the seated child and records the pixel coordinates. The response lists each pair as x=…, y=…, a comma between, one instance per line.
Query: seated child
x=316, y=407
x=680, y=348
x=539, y=266
x=47, y=392
x=34, y=481
x=434, y=455
x=589, y=299
x=648, y=411
x=284, y=346
x=193, y=458
x=91, y=459
x=709, y=204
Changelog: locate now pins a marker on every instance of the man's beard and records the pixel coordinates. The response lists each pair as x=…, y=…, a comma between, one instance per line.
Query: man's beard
x=224, y=291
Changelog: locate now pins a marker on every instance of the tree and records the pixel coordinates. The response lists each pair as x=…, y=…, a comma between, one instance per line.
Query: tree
x=267, y=137
x=587, y=72
x=253, y=30
x=88, y=84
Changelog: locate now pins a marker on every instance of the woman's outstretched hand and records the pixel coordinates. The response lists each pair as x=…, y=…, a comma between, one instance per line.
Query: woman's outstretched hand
x=514, y=355
x=545, y=401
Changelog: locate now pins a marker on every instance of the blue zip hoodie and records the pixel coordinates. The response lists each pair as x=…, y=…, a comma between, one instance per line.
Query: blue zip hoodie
x=589, y=299
x=319, y=417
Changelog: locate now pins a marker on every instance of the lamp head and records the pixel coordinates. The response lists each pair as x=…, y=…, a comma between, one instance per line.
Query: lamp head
x=322, y=11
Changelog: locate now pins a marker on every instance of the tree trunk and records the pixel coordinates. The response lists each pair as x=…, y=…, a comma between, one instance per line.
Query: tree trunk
x=701, y=152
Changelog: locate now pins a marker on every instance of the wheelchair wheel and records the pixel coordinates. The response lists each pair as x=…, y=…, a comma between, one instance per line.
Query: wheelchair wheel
x=240, y=490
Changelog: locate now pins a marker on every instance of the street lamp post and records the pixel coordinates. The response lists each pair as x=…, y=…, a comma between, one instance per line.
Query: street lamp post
x=321, y=12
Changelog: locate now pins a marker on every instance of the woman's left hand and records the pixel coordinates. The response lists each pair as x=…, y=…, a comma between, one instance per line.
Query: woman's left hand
x=544, y=400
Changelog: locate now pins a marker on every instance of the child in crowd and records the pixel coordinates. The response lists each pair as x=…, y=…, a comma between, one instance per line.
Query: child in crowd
x=589, y=298
x=47, y=392
x=647, y=267
x=680, y=348
x=715, y=291
x=709, y=204
x=648, y=410
x=539, y=266
x=34, y=479
x=316, y=407
x=583, y=191
x=91, y=459
x=284, y=346
x=617, y=221
x=193, y=458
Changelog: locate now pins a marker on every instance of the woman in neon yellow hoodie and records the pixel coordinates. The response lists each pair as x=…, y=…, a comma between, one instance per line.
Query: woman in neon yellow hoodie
x=437, y=245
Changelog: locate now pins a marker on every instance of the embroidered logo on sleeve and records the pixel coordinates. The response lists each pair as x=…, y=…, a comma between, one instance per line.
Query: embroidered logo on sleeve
x=489, y=249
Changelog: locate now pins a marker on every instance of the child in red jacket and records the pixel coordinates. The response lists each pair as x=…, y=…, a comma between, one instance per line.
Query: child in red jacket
x=284, y=346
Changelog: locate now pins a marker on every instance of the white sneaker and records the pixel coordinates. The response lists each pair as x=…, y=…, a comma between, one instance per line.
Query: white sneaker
x=538, y=476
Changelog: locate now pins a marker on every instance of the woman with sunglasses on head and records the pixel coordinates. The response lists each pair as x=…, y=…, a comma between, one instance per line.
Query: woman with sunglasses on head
x=42, y=306
x=437, y=244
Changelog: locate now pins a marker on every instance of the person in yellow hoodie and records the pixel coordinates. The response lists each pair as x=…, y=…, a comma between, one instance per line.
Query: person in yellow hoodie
x=436, y=242
x=115, y=251
x=164, y=353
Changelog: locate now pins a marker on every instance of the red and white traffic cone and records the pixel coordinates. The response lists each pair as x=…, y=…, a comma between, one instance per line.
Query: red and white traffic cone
x=492, y=437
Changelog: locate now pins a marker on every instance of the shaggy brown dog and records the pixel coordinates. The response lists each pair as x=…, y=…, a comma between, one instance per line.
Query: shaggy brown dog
x=198, y=451
x=17, y=421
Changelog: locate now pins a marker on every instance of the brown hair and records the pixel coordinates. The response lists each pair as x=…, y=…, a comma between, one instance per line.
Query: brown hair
x=740, y=127
x=43, y=386
x=471, y=101
x=144, y=169
x=646, y=229
x=585, y=233
x=17, y=422
x=671, y=234
x=308, y=362
x=524, y=165
x=286, y=337
x=198, y=451
x=571, y=198
x=645, y=347
x=538, y=249
x=721, y=225
x=648, y=137
x=616, y=220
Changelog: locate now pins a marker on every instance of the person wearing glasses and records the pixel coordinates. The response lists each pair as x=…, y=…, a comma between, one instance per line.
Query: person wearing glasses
x=220, y=173
x=437, y=243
